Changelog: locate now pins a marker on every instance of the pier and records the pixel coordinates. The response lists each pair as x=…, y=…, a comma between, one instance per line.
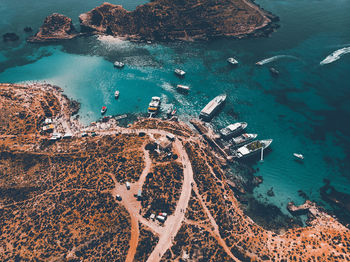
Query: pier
x=209, y=135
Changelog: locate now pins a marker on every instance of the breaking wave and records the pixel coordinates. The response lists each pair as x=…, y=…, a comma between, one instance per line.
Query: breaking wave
x=335, y=56
x=274, y=58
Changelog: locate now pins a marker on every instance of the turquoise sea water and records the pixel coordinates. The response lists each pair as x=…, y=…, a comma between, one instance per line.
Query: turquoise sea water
x=306, y=109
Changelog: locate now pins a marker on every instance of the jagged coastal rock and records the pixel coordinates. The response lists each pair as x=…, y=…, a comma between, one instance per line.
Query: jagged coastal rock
x=56, y=27
x=189, y=20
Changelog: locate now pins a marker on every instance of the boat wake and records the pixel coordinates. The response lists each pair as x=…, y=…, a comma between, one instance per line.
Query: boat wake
x=335, y=56
x=274, y=58
x=180, y=98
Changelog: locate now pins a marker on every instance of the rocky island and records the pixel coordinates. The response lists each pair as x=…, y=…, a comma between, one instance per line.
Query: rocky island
x=55, y=27
x=129, y=194
x=180, y=20
x=166, y=20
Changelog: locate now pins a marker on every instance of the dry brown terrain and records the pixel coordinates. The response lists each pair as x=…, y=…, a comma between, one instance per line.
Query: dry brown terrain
x=58, y=199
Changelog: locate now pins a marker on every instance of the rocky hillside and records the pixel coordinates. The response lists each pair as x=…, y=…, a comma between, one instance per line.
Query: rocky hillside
x=180, y=19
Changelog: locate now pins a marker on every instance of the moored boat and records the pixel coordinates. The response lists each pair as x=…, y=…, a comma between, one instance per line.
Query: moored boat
x=183, y=88
x=232, y=61
x=116, y=94
x=232, y=129
x=212, y=107
x=298, y=156
x=179, y=72
x=154, y=105
x=103, y=110
x=252, y=148
x=118, y=64
x=242, y=139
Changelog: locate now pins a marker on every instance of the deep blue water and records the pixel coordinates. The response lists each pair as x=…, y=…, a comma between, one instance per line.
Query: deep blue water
x=306, y=109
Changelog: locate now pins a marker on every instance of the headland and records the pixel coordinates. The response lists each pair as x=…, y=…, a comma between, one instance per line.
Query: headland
x=113, y=193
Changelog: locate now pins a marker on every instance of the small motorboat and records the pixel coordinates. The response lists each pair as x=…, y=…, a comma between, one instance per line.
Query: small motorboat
x=232, y=61
x=179, y=72
x=298, y=156
x=116, y=94
x=118, y=64
x=103, y=110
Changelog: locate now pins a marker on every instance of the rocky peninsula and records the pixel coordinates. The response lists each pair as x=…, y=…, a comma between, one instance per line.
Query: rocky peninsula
x=55, y=27
x=66, y=199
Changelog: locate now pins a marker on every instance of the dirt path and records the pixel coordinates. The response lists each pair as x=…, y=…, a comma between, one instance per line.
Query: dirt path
x=216, y=232
x=170, y=228
x=173, y=223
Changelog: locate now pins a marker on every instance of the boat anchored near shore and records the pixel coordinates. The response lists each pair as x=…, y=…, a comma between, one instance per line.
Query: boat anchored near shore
x=118, y=64
x=212, y=107
x=252, y=148
x=103, y=110
x=242, y=139
x=116, y=94
x=154, y=105
x=232, y=130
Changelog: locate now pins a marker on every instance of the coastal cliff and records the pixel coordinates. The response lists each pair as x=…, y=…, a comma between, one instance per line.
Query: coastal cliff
x=164, y=20
x=55, y=27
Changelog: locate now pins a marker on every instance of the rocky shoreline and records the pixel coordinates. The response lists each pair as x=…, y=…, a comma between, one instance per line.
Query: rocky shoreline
x=165, y=20
x=90, y=167
x=55, y=27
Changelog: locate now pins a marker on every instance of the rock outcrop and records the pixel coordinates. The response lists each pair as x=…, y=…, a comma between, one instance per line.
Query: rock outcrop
x=56, y=27
x=165, y=20
x=10, y=37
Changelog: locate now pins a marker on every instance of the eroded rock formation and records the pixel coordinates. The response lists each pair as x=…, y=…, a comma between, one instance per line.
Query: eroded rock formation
x=56, y=27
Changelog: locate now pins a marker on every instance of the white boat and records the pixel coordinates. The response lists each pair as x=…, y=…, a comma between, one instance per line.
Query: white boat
x=118, y=64
x=103, y=110
x=243, y=139
x=299, y=156
x=212, y=107
x=154, y=105
x=232, y=61
x=55, y=136
x=116, y=94
x=183, y=88
x=232, y=129
x=252, y=148
x=179, y=72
